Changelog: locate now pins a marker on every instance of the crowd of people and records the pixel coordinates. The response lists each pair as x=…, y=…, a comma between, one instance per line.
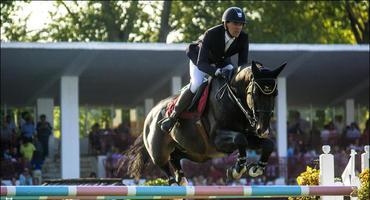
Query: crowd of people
x=25, y=147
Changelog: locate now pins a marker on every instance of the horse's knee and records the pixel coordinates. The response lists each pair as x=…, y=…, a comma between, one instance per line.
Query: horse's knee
x=224, y=145
x=268, y=145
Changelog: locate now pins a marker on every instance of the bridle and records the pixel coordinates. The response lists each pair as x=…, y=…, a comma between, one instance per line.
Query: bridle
x=265, y=90
x=250, y=113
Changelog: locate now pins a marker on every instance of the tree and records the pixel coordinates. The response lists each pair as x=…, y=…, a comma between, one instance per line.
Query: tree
x=13, y=27
x=280, y=21
x=324, y=22
x=165, y=27
x=357, y=12
x=95, y=21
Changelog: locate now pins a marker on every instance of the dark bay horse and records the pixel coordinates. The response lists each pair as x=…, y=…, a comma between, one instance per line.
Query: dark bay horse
x=236, y=117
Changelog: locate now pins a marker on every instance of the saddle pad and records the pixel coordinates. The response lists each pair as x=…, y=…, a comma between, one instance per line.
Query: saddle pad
x=187, y=114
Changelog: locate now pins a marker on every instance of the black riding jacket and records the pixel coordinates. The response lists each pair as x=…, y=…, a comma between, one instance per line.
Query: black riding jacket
x=210, y=50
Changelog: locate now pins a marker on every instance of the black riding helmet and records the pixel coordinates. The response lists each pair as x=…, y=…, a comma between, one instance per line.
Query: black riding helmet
x=234, y=14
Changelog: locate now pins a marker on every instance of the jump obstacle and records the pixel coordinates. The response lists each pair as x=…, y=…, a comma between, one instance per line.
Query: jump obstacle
x=167, y=192
x=332, y=190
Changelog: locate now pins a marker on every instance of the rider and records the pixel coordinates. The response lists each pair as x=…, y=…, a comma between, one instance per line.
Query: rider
x=211, y=56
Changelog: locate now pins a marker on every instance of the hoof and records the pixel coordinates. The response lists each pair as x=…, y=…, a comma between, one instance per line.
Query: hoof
x=233, y=174
x=255, y=170
x=172, y=182
x=183, y=181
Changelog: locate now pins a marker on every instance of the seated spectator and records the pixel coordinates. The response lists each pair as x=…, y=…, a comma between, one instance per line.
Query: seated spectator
x=333, y=134
x=25, y=177
x=325, y=135
x=27, y=149
x=92, y=175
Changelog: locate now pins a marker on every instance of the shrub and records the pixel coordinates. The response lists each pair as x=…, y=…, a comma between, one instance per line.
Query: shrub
x=309, y=177
x=364, y=190
x=157, y=181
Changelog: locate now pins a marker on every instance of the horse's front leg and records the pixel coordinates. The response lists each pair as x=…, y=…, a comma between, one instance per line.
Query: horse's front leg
x=229, y=141
x=267, y=147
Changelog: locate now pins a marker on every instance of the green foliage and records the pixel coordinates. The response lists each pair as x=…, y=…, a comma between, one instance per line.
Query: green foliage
x=309, y=177
x=295, y=21
x=157, y=181
x=364, y=191
x=13, y=27
x=97, y=21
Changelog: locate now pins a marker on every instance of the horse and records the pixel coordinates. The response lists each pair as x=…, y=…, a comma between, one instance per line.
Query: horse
x=236, y=117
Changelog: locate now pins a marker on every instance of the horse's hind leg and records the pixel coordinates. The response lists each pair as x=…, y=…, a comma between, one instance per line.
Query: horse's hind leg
x=176, y=157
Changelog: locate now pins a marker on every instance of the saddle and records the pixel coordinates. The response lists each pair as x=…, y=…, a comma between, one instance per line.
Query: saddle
x=196, y=108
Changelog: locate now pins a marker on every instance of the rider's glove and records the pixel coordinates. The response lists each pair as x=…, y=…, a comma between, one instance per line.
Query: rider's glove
x=224, y=73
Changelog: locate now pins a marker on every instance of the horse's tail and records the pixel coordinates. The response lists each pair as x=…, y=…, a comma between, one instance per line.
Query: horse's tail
x=135, y=159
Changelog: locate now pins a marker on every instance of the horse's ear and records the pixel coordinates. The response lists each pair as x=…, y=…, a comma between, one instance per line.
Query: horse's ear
x=277, y=71
x=255, y=69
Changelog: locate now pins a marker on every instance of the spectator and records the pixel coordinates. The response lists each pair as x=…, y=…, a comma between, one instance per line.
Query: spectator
x=92, y=175
x=299, y=127
x=25, y=178
x=28, y=129
x=339, y=124
x=8, y=132
x=38, y=155
x=325, y=135
x=26, y=150
x=352, y=133
x=94, y=139
x=364, y=140
x=44, y=130
x=22, y=120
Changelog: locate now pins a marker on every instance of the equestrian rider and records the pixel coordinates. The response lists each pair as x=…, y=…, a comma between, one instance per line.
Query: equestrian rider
x=211, y=55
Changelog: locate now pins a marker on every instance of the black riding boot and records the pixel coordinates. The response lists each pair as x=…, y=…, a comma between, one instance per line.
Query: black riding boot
x=182, y=103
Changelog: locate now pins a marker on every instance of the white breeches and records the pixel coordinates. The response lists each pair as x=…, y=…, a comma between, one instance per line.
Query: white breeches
x=197, y=77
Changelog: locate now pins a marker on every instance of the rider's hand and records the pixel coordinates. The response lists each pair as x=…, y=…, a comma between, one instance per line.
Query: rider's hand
x=224, y=73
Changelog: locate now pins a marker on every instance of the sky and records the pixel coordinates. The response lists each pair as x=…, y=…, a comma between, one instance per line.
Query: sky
x=39, y=13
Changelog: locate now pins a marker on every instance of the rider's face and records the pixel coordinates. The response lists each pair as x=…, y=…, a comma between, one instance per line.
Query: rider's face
x=234, y=28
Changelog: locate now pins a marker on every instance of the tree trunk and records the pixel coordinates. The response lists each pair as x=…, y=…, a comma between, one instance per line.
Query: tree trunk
x=165, y=27
x=130, y=20
x=360, y=31
x=109, y=19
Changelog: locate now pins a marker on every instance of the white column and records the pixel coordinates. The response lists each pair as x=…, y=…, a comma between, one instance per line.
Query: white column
x=175, y=85
x=148, y=105
x=327, y=172
x=46, y=106
x=350, y=111
x=365, y=158
x=282, y=146
x=70, y=147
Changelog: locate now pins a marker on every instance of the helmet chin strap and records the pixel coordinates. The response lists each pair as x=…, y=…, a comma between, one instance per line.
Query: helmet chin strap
x=227, y=30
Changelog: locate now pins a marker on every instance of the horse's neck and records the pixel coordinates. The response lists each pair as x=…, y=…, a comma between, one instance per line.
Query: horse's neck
x=241, y=81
